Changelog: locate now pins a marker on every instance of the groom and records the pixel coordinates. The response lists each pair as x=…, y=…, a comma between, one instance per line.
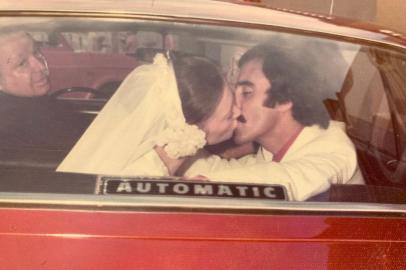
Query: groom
x=281, y=110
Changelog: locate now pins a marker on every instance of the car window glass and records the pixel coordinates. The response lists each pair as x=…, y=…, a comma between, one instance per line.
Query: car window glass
x=360, y=88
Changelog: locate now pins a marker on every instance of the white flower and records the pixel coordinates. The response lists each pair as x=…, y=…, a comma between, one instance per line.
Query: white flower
x=182, y=140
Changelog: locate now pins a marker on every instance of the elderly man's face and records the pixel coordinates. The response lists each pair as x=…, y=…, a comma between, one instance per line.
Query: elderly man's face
x=23, y=70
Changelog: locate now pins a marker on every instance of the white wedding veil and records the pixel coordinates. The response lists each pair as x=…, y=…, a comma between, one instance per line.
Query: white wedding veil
x=144, y=112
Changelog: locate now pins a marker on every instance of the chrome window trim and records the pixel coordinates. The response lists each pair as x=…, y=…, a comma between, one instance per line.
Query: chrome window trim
x=174, y=204
x=362, y=38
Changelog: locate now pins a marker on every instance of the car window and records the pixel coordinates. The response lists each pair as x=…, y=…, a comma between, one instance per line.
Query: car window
x=348, y=123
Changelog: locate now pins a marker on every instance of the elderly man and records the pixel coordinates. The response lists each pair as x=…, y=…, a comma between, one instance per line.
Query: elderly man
x=28, y=117
x=23, y=69
x=282, y=111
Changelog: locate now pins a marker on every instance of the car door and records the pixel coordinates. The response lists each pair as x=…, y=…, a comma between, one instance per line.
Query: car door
x=58, y=220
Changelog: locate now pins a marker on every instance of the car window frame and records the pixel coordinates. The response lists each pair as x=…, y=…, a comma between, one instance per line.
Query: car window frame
x=36, y=199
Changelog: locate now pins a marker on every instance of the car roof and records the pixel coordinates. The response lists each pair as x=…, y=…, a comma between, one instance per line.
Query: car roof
x=237, y=12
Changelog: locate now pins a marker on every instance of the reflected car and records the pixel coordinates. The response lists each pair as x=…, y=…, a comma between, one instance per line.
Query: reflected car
x=57, y=220
x=77, y=63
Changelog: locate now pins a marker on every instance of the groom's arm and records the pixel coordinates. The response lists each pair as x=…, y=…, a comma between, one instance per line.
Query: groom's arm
x=304, y=177
x=229, y=149
x=307, y=172
x=205, y=161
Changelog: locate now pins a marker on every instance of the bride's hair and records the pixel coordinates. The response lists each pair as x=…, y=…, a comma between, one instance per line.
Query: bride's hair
x=200, y=85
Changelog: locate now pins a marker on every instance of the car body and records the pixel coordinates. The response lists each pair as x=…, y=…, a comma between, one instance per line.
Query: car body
x=56, y=220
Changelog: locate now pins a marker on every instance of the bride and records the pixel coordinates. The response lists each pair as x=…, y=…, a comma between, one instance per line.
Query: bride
x=161, y=113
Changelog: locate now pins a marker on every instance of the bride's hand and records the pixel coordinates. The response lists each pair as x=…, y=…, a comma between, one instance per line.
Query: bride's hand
x=171, y=164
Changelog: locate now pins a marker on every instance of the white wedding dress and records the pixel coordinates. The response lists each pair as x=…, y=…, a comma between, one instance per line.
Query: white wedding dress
x=144, y=112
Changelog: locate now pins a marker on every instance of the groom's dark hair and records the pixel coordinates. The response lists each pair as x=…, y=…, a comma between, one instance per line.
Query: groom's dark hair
x=200, y=85
x=292, y=80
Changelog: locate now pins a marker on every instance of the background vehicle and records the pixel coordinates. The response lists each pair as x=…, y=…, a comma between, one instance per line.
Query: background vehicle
x=66, y=221
x=100, y=67
x=85, y=60
x=93, y=59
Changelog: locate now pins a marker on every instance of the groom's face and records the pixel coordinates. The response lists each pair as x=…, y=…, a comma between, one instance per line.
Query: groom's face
x=252, y=89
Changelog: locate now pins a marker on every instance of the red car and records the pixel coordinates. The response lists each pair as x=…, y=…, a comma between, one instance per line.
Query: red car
x=54, y=220
x=73, y=66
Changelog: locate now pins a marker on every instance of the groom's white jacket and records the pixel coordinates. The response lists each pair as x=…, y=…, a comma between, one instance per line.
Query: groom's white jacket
x=317, y=158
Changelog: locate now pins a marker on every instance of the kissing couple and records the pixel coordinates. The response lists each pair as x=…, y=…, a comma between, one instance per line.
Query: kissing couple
x=164, y=113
